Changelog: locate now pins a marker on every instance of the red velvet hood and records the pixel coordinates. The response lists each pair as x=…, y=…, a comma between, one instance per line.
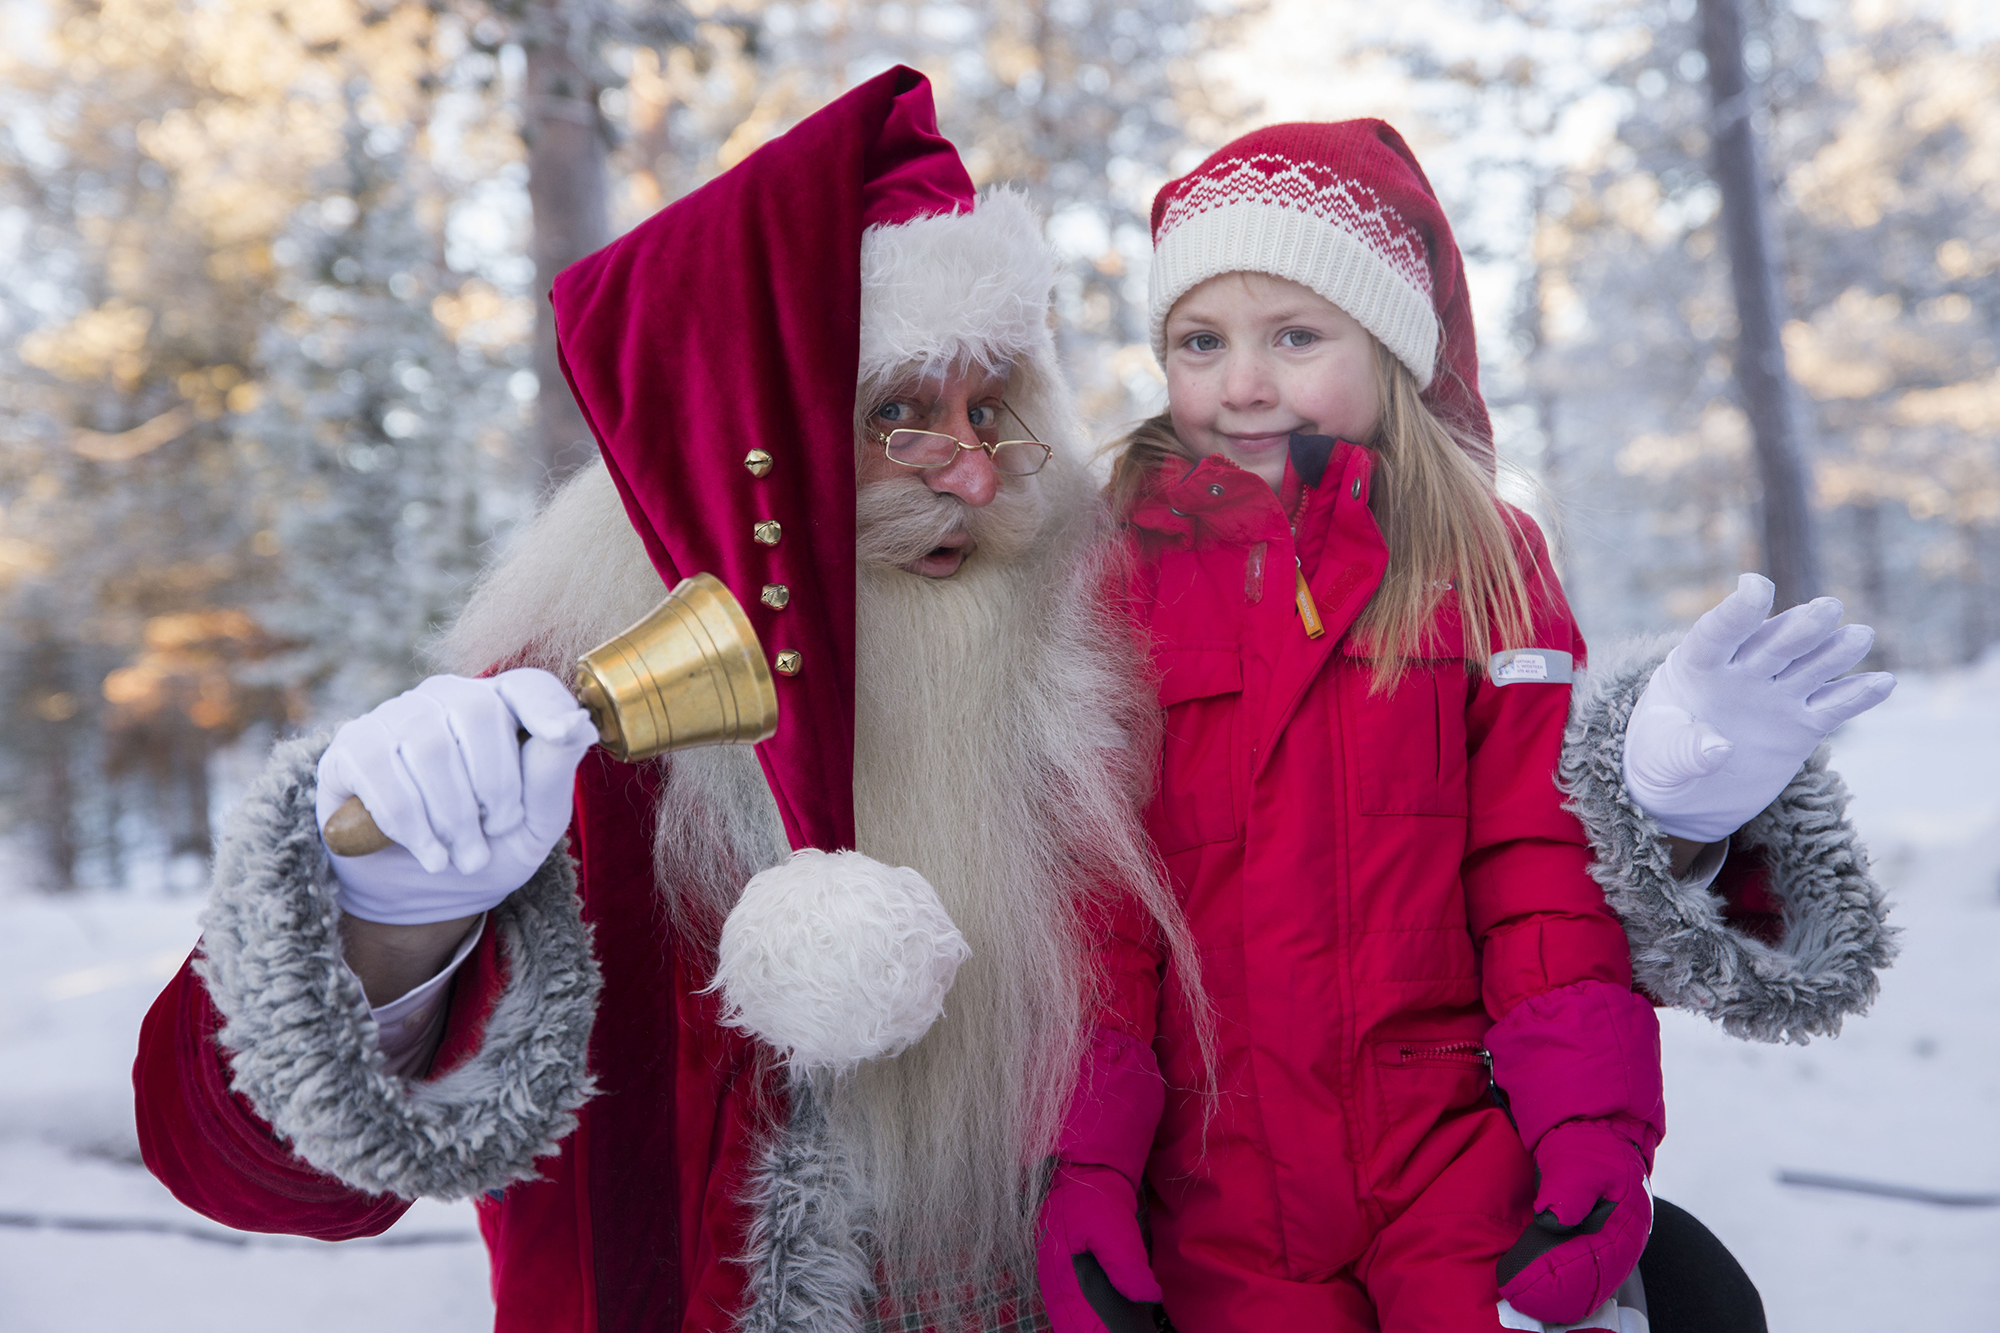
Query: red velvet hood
x=730, y=321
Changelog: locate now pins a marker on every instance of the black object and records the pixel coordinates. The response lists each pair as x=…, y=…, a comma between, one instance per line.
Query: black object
x=1693, y=1283
x=1310, y=455
x=1545, y=1233
x=1120, y=1313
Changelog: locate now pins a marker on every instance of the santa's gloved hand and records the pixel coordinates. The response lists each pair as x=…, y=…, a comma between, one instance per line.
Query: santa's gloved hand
x=1090, y=1210
x=1739, y=705
x=1593, y=1215
x=472, y=809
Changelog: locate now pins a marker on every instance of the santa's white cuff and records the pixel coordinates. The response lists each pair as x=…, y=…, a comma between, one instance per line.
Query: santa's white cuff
x=1707, y=864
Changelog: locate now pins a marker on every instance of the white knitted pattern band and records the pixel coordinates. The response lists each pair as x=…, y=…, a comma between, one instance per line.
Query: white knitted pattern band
x=1295, y=220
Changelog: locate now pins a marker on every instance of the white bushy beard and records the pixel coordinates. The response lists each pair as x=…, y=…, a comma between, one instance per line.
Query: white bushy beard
x=952, y=778
x=1000, y=729
x=1003, y=743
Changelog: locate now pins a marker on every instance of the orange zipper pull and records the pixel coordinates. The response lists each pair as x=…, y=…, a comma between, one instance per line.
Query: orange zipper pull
x=1308, y=613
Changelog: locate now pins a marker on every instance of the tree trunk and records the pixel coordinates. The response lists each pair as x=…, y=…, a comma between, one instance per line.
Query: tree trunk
x=1777, y=423
x=1532, y=319
x=189, y=773
x=1977, y=626
x=567, y=193
x=1869, y=549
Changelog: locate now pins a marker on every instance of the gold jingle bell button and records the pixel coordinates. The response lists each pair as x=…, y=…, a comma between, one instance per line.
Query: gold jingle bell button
x=767, y=532
x=758, y=462
x=775, y=596
x=788, y=662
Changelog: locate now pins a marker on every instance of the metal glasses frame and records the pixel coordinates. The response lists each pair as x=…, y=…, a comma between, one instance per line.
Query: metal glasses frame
x=990, y=450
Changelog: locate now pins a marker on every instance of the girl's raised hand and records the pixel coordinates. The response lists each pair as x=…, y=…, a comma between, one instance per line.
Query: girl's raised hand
x=1739, y=705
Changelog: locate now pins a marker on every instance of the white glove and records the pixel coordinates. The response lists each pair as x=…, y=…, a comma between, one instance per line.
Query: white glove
x=473, y=810
x=1738, y=706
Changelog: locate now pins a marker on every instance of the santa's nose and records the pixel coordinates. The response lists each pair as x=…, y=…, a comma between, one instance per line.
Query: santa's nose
x=970, y=477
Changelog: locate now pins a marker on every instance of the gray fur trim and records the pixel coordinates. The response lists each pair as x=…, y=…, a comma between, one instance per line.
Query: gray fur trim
x=303, y=1048
x=1836, y=937
x=809, y=1263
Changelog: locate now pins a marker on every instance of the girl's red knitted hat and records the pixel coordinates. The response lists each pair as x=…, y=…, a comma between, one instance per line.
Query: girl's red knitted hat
x=1343, y=209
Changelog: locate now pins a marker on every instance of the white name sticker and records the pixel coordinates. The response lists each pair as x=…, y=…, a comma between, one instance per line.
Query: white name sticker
x=1518, y=666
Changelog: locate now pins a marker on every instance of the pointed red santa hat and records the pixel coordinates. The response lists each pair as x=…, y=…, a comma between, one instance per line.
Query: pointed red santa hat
x=715, y=350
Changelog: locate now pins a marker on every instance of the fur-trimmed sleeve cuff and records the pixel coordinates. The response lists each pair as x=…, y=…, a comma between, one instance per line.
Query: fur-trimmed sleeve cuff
x=1684, y=953
x=303, y=1049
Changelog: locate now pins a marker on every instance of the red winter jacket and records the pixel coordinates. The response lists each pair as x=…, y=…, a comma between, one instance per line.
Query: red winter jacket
x=1371, y=880
x=631, y=1227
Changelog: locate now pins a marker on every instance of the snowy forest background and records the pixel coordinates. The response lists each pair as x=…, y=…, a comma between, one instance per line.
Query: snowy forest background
x=275, y=381
x=274, y=376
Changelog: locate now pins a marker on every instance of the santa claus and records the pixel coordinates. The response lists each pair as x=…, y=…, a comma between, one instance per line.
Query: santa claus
x=696, y=1065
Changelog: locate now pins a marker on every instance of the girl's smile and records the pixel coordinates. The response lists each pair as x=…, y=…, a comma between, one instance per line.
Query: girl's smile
x=1252, y=359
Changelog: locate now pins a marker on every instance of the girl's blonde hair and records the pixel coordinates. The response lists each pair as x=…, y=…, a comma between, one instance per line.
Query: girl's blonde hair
x=1444, y=523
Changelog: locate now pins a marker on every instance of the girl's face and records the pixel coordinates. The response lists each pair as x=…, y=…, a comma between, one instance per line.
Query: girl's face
x=1251, y=359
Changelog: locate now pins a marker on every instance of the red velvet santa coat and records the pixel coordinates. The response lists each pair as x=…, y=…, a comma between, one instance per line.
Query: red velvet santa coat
x=1371, y=880
x=637, y=1222
x=631, y=1226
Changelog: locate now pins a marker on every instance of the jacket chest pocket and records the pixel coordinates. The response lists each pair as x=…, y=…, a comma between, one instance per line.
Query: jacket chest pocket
x=1197, y=800
x=1406, y=747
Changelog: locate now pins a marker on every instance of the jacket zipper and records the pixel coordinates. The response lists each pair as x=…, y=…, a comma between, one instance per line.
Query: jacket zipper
x=1308, y=610
x=1449, y=1052
x=1459, y=1053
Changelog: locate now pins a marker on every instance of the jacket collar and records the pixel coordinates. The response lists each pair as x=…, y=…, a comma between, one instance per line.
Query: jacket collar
x=1214, y=500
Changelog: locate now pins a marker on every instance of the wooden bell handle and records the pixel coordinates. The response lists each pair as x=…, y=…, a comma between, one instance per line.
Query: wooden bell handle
x=350, y=830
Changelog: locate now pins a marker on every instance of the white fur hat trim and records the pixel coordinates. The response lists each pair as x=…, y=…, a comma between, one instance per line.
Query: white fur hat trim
x=1348, y=263
x=836, y=958
x=956, y=288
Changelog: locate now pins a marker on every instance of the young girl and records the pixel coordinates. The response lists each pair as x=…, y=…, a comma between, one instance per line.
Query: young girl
x=1426, y=1032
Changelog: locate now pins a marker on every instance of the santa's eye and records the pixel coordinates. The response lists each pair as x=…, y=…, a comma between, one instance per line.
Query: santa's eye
x=896, y=411
x=982, y=416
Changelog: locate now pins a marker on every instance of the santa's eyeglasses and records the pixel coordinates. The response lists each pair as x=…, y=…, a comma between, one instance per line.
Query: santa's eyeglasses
x=930, y=448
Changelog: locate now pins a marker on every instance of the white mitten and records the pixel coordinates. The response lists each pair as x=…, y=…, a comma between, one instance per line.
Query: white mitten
x=1738, y=706
x=473, y=810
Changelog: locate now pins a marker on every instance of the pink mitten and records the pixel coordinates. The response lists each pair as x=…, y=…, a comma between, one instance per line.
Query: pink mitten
x=1092, y=1208
x=1592, y=1218
x=1581, y=1070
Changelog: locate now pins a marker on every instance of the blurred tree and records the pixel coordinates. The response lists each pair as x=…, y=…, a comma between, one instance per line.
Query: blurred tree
x=138, y=308
x=150, y=155
x=1777, y=430
x=576, y=53
x=382, y=437
x=1884, y=182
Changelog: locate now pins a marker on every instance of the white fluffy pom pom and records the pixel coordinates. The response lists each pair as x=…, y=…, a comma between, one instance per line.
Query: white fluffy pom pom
x=837, y=958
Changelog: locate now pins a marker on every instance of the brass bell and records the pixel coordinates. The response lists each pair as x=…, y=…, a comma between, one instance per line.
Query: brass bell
x=690, y=673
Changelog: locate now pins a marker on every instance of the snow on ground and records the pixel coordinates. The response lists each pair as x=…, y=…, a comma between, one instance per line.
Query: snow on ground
x=76, y=976
x=1908, y=1095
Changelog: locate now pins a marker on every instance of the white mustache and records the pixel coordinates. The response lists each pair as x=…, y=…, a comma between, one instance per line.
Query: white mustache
x=902, y=520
